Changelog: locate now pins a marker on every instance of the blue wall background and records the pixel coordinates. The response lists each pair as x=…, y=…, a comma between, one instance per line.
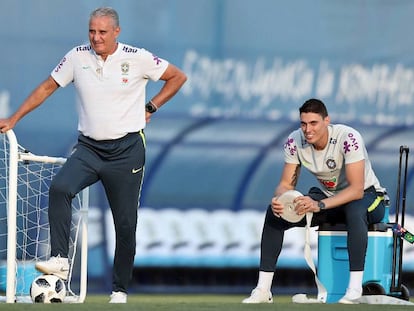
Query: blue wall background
x=249, y=68
x=217, y=144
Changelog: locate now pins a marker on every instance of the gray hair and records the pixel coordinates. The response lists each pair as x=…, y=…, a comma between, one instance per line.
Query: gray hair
x=106, y=11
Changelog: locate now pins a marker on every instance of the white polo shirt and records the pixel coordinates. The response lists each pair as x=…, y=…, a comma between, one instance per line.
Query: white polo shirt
x=112, y=92
x=345, y=145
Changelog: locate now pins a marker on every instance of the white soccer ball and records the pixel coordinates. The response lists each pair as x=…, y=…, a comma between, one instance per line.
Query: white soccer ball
x=47, y=288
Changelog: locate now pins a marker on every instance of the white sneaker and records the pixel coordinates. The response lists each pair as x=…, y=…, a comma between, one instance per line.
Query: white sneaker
x=118, y=297
x=258, y=295
x=352, y=296
x=58, y=266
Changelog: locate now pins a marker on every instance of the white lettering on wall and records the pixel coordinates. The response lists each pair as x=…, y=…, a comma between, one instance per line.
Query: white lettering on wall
x=356, y=91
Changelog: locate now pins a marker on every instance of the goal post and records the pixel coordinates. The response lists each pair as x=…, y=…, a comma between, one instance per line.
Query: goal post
x=24, y=229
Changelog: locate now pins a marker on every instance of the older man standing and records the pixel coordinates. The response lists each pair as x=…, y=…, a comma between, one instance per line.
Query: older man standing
x=110, y=79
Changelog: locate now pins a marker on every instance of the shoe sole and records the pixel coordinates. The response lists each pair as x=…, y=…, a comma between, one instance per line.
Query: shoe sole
x=348, y=302
x=62, y=275
x=257, y=302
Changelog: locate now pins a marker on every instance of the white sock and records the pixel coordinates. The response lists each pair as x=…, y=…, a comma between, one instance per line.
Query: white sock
x=265, y=280
x=355, y=280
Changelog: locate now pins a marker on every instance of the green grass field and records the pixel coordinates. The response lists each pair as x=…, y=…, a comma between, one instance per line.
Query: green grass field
x=195, y=303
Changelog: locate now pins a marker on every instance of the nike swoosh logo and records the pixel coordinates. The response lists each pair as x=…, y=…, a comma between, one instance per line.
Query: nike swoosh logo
x=136, y=170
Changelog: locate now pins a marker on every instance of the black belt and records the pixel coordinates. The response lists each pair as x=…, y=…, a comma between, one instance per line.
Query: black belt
x=373, y=190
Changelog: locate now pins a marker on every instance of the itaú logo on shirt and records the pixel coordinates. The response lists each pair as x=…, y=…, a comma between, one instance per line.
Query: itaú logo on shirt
x=328, y=183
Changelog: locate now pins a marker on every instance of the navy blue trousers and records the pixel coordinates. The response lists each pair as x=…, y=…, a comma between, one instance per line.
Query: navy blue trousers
x=354, y=215
x=119, y=165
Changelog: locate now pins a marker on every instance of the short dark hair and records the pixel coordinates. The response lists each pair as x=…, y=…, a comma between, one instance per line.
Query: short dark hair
x=314, y=105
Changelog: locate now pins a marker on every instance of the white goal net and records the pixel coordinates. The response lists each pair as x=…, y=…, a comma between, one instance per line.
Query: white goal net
x=24, y=227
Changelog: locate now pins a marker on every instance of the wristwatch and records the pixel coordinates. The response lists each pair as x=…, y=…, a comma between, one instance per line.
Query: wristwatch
x=321, y=205
x=150, y=107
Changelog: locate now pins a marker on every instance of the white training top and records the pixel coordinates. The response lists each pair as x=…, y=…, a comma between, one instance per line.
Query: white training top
x=345, y=145
x=112, y=92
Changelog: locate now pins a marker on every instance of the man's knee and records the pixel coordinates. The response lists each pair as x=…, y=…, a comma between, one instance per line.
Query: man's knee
x=58, y=187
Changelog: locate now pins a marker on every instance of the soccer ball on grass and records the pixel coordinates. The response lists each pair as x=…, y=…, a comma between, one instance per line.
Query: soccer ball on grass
x=47, y=288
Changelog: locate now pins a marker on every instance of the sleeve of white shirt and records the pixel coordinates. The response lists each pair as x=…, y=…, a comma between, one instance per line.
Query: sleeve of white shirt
x=154, y=65
x=63, y=72
x=291, y=150
x=353, y=145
